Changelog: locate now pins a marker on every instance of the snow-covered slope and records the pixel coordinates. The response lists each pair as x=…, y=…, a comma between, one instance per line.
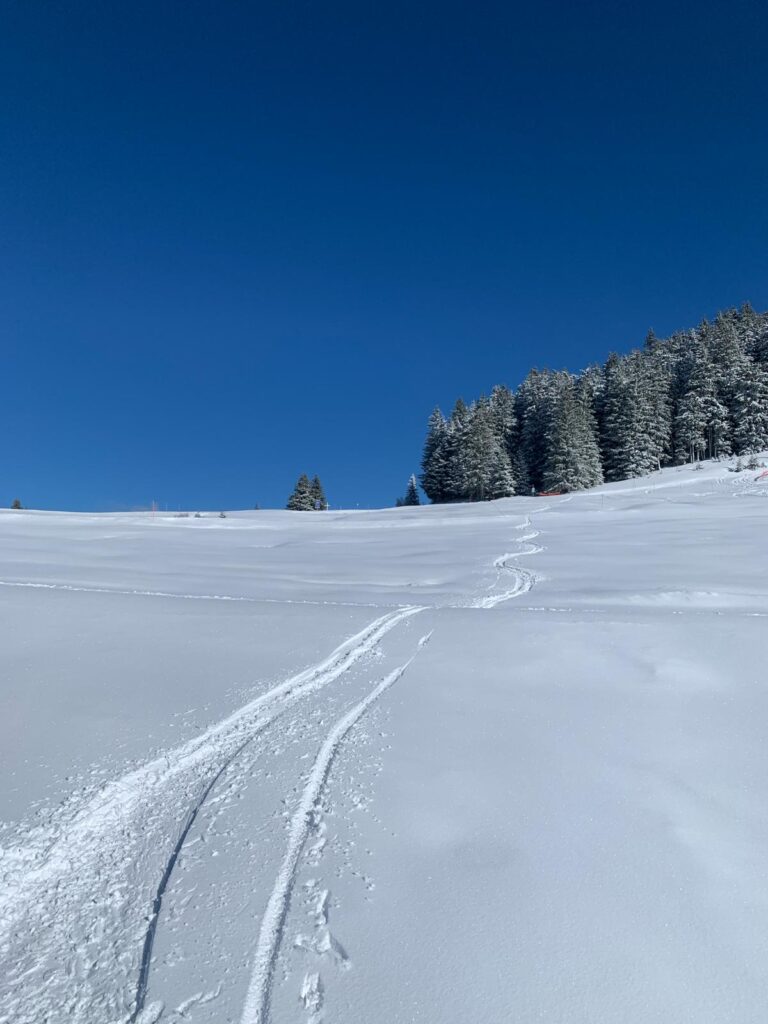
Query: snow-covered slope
x=489, y=763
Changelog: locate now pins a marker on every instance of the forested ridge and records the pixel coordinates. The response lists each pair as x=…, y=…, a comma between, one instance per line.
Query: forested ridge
x=702, y=393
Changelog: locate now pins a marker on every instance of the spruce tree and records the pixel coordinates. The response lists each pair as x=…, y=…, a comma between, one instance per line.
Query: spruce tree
x=301, y=500
x=536, y=407
x=702, y=428
x=456, y=485
x=478, y=446
x=500, y=479
x=412, y=493
x=319, y=501
x=505, y=426
x=628, y=446
x=749, y=325
x=501, y=410
x=572, y=460
x=520, y=474
x=750, y=410
x=654, y=371
x=590, y=468
x=760, y=346
x=434, y=462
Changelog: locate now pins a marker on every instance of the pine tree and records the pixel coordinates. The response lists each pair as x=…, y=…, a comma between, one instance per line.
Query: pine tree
x=572, y=460
x=702, y=429
x=654, y=370
x=536, y=406
x=520, y=474
x=505, y=426
x=500, y=480
x=590, y=468
x=760, y=346
x=434, y=462
x=750, y=410
x=301, y=500
x=455, y=448
x=412, y=493
x=628, y=447
x=16, y=504
x=319, y=501
x=750, y=325
x=501, y=409
x=477, y=449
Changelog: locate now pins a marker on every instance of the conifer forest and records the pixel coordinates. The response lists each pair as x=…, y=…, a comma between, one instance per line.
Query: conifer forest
x=700, y=394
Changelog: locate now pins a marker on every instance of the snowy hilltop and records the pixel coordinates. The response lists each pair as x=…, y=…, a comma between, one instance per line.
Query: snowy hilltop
x=472, y=762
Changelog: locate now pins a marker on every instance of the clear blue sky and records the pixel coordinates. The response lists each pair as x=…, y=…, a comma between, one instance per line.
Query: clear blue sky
x=244, y=240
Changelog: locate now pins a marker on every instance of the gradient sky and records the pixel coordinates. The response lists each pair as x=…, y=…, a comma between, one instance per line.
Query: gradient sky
x=244, y=240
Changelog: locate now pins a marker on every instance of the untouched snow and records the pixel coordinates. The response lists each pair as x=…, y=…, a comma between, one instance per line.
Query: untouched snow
x=496, y=763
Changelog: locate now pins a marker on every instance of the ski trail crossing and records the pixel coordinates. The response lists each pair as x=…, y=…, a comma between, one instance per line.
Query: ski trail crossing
x=257, y=1001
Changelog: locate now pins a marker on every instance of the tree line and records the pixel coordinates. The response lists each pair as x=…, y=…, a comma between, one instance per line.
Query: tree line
x=702, y=393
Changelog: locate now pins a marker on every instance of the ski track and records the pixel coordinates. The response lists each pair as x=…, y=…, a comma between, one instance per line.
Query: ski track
x=257, y=1001
x=80, y=871
x=71, y=588
x=523, y=580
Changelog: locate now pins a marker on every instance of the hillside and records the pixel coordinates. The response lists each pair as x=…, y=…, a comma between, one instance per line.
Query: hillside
x=486, y=762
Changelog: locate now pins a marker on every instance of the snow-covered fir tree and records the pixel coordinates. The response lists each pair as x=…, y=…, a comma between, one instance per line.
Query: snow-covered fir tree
x=627, y=445
x=434, y=461
x=319, y=501
x=750, y=410
x=455, y=452
x=412, y=492
x=572, y=457
x=501, y=479
x=702, y=429
x=536, y=407
x=302, y=499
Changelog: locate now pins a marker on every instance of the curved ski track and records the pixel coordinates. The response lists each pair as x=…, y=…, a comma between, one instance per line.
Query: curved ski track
x=523, y=580
x=87, y=852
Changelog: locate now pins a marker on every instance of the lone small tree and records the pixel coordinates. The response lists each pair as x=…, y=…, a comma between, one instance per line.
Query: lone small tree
x=319, y=500
x=16, y=503
x=301, y=500
x=412, y=492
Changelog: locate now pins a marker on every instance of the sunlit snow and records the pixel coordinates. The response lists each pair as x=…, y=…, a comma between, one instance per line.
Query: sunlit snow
x=490, y=763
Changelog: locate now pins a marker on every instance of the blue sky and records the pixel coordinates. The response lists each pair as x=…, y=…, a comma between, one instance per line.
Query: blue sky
x=244, y=240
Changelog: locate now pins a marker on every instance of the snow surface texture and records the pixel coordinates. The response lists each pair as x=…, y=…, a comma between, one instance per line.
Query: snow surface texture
x=499, y=762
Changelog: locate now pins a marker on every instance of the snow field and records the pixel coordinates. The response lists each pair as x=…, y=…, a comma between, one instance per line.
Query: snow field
x=554, y=810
